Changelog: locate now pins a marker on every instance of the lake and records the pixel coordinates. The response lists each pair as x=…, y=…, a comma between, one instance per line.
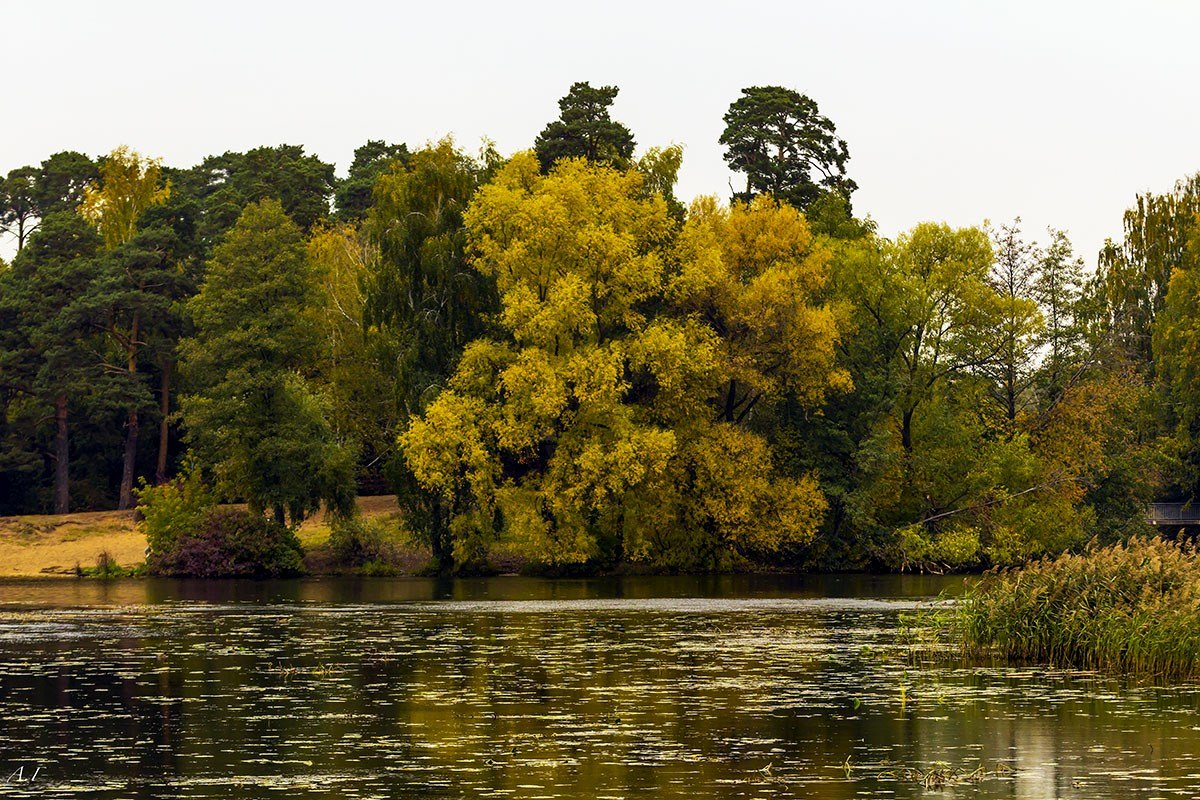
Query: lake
x=709, y=687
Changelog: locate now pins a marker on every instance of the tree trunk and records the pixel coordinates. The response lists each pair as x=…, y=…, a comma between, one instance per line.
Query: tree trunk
x=280, y=517
x=906, y=430
x=164, y=428
x=125, y=499
x=440, y=546
x=62, y=485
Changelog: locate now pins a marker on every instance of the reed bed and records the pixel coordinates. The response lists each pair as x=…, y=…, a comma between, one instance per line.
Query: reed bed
x=1130, y=608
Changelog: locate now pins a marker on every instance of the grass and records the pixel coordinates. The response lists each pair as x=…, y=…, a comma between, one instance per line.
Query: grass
x=54, y=545
x=1129, y=609
x=65, y=545
x=399, y=554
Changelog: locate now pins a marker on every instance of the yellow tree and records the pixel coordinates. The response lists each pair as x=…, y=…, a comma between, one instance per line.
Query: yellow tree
x=754, y=274
x=129, y=184
x=339, y=259
x=588, y=431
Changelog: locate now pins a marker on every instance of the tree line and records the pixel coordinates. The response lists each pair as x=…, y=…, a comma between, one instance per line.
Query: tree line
x=552, y=351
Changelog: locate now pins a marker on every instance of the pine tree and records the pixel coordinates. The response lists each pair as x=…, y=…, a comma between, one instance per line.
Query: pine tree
x=252, y=415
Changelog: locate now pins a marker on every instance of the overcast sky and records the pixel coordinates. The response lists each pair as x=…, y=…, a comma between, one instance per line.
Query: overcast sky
x=954, y=111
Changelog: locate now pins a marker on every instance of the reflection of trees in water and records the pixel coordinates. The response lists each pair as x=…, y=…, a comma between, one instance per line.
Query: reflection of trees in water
x=77, y=704
x=659, y=699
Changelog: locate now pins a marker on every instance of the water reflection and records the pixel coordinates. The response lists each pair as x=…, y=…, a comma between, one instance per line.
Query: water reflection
x=657, y=688
x=74, y=594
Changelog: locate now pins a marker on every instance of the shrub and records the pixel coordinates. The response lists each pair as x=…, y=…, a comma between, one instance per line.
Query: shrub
x=357, y=542
x=954, y=548
x=173, y=509
x=230, y=543
x=1126, y=608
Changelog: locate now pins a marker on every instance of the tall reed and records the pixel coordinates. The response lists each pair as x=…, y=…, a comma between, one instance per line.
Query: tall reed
x=1129, y=608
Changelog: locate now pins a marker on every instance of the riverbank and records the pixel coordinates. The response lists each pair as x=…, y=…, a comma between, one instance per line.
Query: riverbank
x=55, y=546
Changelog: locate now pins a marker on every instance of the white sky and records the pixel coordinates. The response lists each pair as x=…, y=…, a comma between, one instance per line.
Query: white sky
x=955, y=111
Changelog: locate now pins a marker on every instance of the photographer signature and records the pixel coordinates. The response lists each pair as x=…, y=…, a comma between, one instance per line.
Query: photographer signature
x=18, y=775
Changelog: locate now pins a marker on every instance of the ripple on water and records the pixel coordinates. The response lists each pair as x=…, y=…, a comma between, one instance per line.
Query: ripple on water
x=655, y=697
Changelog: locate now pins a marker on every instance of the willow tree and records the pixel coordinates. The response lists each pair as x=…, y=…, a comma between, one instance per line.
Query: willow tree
x=1131, y=284
x=1177, y=360
x=420, y=293
x=587, y=429
x=136, y=287
x=753, y=274
x=351, y=375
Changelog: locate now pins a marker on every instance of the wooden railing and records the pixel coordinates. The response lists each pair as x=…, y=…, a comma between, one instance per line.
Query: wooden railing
x=1177, y=515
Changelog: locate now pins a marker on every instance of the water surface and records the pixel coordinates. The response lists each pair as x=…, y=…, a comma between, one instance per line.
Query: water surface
x=521, y=688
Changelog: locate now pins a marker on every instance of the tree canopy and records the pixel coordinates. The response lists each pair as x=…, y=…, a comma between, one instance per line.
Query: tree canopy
x=785, y=147
x=584, y=129
x=594, y=428
x=253, y=416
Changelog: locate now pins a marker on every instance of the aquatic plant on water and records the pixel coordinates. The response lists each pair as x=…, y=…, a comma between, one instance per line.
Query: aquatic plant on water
x=1128, y=608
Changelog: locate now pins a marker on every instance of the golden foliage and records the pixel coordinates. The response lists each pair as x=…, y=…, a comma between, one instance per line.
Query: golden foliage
x=754, y=273
x=594, y=431
x=129, y=184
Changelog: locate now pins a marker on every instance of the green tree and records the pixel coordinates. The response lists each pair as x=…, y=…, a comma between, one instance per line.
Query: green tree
x=251, y=415
x=956, y=453
x=1058, y=290
x=1177, y=358
x=584, y=129
x=785, y=147
x=358, y=368
x=923, y=320
x=134, y=293
x=46, y=354
x=1131, y=283
x=931, y=288
x=18, y=204
x=1013, y=368
x=30, y=193
x=62, y=181
x=354, y=194
x=131, y=304
x=224, y=185
x=421, y=292
x=174, y=222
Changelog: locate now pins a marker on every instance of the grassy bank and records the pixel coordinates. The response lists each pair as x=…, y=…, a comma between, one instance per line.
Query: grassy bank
x=1131, y=608
x=54, y=545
